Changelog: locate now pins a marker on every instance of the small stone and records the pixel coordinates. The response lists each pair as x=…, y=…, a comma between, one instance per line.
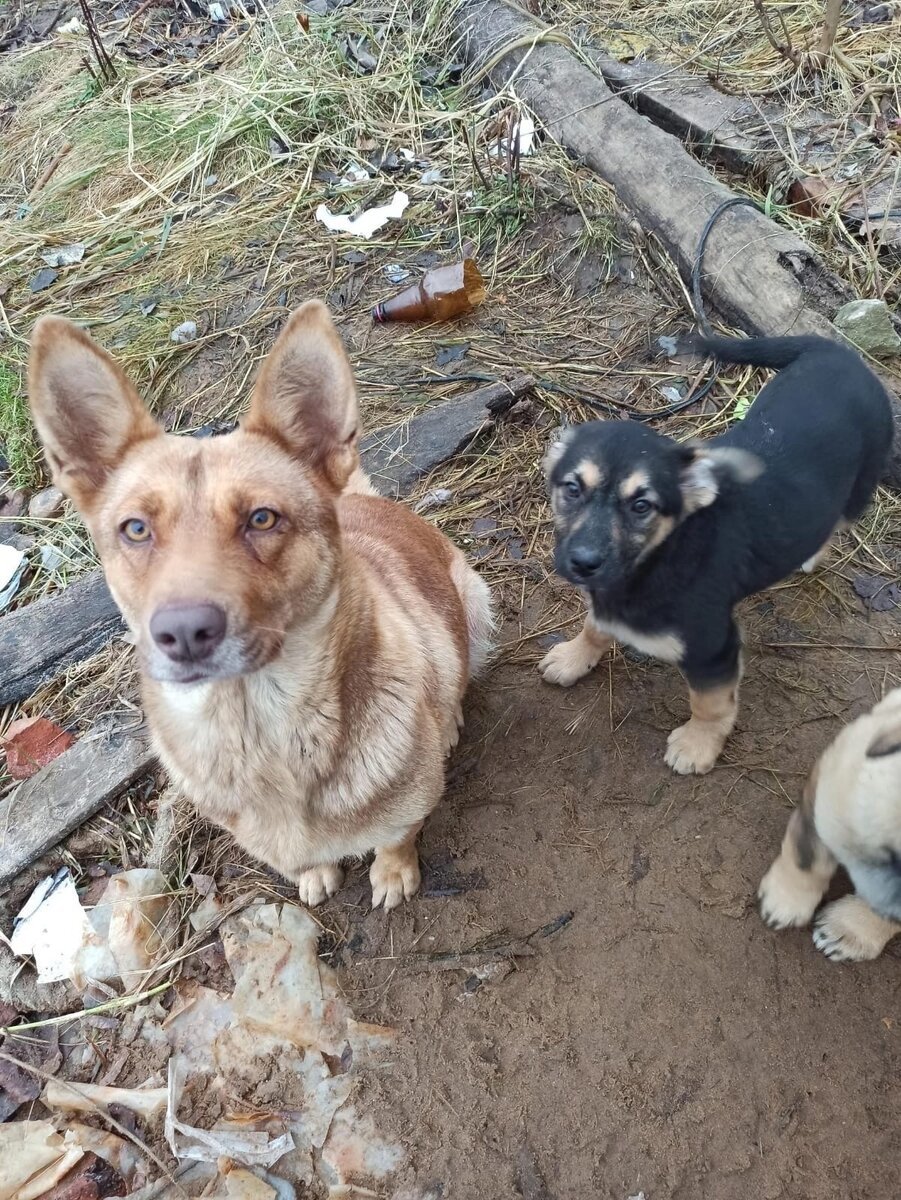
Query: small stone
x=184, y=333
x=12, y=504
x=46, y=504
x=868, y=324
x=43, y=279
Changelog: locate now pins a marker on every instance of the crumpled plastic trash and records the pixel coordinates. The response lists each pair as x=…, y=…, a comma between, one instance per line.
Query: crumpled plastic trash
x=366, y=223
x=119, y=938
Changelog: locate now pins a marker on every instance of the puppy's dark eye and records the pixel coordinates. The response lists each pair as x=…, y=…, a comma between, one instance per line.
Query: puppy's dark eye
x=572, y=489
x=135, y=530
x=262, y=519
x=641, y=507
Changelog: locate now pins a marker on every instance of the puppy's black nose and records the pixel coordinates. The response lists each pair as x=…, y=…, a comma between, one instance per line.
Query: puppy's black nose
x=188, y=632
x=584, y=560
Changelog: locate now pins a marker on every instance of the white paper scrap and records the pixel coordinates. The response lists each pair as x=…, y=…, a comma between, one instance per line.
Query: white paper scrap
x=368, y=222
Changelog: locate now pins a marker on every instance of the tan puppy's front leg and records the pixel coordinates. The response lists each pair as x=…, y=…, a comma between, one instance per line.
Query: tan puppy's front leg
x=568, y=661
x=694, y=747
x=796, y=882
x=395, y=873
x=316, y=884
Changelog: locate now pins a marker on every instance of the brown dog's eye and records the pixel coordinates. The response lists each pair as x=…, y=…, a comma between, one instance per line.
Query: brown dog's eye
x=641, y=508
x=262, y=519
x=572, y=489
x=135, y=530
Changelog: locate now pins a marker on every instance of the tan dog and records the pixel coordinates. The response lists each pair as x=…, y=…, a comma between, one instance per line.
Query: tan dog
x=304, y=644
x=850, y=814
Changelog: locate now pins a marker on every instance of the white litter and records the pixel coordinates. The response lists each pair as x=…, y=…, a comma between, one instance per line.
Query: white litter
x=52, y=927
x=117, y=940
x=72, y=26
x=525, y=140
x=354, y=174
x=368, y=222
x=433, y=175
x=64, y=256
x=12, y=567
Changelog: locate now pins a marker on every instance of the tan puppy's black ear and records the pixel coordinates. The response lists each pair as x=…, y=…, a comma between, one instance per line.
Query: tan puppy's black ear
x=305, y=396
x=706, y=468
x=888, y=742
x=87, y=414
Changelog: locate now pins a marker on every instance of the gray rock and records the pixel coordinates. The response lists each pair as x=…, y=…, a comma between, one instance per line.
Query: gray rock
x=868, y=324
x=45, y=504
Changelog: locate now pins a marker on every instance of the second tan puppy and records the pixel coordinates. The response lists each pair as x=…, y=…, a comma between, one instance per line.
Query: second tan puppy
x=850, y=814
x=304, y=644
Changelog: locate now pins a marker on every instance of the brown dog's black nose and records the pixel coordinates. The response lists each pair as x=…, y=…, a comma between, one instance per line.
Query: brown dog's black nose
x=585, y=560
x=188, y=632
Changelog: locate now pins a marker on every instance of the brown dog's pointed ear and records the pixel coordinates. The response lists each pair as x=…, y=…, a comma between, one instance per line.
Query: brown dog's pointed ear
x=305, y=396
x=86, y=412
x=706, y=468
x=888, y=742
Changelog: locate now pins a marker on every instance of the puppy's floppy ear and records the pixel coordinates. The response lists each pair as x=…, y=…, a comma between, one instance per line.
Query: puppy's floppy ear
x=705, y=469
x=556, y=450
x=305, y=396
x=86, y=412
x=888, y=742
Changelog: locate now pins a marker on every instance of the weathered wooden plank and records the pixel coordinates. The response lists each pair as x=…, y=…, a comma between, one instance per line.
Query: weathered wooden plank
x=42, y=811
x=394, y=459
x=39, y=641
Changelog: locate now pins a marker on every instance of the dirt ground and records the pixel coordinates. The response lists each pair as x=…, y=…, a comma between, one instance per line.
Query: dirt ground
x=663, y=1041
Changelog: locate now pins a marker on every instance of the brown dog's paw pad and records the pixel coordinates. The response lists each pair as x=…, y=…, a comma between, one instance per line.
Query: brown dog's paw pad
x=693, y=748
x=393, y=879
x=318, y=883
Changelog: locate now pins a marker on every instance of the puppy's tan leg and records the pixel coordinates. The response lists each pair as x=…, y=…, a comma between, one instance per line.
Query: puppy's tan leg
x=568, y=661
x=395, y=873
x=796, y=882
x=318, y=883
x=849, y=931
x=693, y=748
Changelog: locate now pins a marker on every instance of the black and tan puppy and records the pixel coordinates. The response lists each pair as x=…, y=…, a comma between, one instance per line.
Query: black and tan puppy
x=665, y=539
x=850, y=814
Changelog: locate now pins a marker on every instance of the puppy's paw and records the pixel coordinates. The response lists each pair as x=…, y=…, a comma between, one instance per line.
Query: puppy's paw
x=318, y=883
x=394, y=877
x=849, y=931
x=567, y=662
x=788, y=896
x=694, y=747
x=811, y=564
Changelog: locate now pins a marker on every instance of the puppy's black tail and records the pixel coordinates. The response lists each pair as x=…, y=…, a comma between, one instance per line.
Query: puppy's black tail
x=775, y=353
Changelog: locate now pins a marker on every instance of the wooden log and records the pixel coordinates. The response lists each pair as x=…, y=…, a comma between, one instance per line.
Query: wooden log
x=757, y=274
x=742, y=134
x=760, y=276
x=40, y=812
x=395, y=458
x=39, y=641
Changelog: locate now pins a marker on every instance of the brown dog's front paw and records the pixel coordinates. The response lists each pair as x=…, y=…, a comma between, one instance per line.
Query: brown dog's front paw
x=394, y=877
x=693, y=748
x=318, y=883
